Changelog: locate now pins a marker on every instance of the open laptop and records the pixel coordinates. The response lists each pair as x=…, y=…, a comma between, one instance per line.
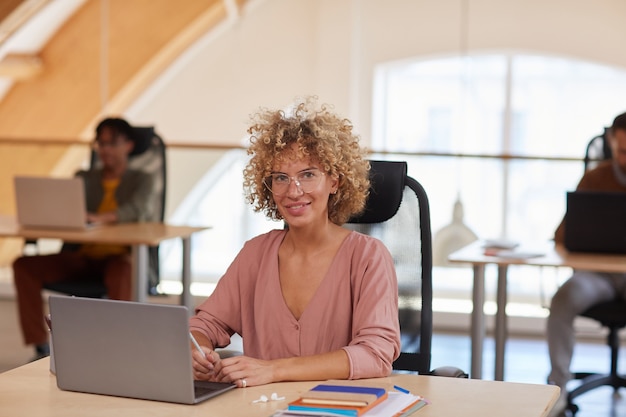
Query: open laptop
x=595, y=222
x=44, y=202
x=126, y=349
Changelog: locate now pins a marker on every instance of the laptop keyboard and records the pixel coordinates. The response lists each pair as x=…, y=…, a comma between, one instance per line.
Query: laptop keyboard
x=202, y=388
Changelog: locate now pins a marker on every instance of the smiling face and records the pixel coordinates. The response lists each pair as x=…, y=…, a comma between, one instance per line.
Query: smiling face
x=299, y=208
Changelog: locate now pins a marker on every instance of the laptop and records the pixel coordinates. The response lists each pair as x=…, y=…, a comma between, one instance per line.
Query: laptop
x=44, y=202
x=126, y=349
x=595, y=222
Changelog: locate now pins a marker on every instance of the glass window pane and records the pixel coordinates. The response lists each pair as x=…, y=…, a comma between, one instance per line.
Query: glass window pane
x=560, y=104
x=496, y=104
x=536, y=197
x=443, y=105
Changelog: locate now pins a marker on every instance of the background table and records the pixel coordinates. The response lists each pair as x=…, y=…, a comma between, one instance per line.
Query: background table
x=31, y=391
x=556, y=256
x=137, y=235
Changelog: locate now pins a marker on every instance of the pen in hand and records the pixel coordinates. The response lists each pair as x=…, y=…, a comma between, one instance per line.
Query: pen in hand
x=195, y=343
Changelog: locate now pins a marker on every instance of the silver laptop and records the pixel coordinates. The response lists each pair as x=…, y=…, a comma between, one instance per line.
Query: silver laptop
x=126, y=349
x=44, y=202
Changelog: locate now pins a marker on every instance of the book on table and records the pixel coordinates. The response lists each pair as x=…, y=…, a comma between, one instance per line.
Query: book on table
x=337, y=401
x=344, y=400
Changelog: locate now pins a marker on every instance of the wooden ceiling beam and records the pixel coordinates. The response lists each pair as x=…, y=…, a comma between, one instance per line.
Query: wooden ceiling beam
x=19, y=67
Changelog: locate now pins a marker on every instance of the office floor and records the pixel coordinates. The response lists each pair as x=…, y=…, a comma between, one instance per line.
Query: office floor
x=526, y=360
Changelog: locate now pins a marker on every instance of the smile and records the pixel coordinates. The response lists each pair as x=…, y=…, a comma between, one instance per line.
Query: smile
x=296, y=206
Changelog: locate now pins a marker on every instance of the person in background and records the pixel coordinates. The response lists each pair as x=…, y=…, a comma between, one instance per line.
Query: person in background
x=585, y=288
x=114, y=193
x=313, y=300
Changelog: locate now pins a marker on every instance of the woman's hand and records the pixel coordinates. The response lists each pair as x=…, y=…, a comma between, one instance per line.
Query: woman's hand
x=205, y=367
x=245, y=371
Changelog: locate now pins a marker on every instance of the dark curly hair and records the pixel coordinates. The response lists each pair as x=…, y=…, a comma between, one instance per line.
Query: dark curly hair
x=319, y=135
x=118, y=126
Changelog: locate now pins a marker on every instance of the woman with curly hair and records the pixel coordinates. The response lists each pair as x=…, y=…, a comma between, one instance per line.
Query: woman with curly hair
x=313, y=300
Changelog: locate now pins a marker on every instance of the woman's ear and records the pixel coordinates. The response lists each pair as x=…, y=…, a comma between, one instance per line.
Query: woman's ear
x=335, y=185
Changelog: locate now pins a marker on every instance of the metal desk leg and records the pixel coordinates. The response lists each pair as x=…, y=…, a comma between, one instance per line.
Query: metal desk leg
x=478, y=321
x=186, y=297
x=501, y=325
x=140, y=273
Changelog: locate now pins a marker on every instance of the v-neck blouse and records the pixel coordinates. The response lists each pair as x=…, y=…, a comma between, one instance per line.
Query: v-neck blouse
x=355, y=307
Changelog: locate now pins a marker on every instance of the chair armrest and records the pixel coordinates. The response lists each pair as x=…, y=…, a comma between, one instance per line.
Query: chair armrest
x=449, y=371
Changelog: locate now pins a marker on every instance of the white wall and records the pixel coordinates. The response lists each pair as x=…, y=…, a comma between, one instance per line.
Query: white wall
x=280, y=49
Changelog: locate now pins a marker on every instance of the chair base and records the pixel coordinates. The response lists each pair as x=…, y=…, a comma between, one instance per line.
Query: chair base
x=590, y=382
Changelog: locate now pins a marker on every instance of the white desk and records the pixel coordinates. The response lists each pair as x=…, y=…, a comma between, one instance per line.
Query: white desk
x=137, y=235
x=31, y=391
x=553, y=256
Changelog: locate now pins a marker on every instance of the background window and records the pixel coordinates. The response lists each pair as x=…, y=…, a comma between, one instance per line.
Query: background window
x=463, y=117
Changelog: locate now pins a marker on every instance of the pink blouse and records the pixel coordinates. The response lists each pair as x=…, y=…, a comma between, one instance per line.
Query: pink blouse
x=355, y=307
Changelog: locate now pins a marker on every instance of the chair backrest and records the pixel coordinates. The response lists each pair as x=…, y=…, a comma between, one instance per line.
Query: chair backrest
x=397, y=212
x=598, y=150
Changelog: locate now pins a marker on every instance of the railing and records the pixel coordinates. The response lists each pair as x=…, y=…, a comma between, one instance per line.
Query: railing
x=229, y=146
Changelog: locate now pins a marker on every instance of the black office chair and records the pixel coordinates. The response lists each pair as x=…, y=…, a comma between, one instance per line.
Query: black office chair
x=598, y=150
x=397, y=213
x=148, y=155
x=611, y=314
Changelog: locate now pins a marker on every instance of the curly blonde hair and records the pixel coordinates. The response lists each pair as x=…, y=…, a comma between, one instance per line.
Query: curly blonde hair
x=319, y=135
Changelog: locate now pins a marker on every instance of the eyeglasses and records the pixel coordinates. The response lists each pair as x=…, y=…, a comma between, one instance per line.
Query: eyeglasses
x=307, y=181
x=98, y=144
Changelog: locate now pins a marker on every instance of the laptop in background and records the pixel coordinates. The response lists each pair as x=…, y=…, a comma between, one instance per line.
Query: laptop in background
x=595, y=222
x=125, y=349
x=44, y=202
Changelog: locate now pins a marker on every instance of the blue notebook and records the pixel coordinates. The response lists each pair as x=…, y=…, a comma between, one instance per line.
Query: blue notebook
x=350, y=389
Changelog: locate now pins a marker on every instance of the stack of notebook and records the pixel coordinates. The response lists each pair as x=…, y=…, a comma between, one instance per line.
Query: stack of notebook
x=356, y=401
x=344, y=400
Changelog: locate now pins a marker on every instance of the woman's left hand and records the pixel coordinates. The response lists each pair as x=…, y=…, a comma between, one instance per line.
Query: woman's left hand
x=245, y=371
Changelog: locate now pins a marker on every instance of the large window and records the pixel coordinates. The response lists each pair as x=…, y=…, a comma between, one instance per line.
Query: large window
x=493, y=104
x=465, y=116
x=522, y=105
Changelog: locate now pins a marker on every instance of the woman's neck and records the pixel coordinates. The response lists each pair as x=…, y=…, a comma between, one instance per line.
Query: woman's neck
x=312, y=239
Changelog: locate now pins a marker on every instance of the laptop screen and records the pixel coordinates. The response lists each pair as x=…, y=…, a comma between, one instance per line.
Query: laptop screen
x=125, y=349
x=44, y=202
x=595, y=222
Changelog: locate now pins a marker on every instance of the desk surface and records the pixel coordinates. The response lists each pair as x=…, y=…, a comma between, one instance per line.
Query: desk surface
x=137, y=235
x=31, y=390
x=150, y=234
x=552, y=255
